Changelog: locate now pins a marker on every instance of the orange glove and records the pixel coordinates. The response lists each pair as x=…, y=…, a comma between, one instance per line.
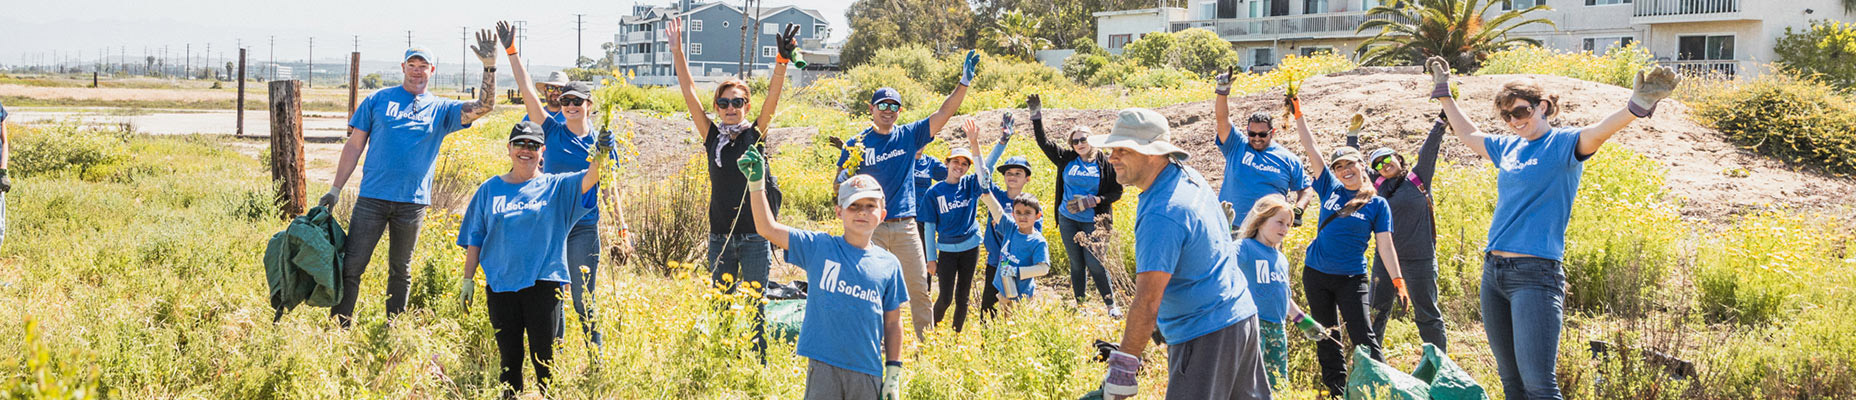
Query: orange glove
x=1404, y=297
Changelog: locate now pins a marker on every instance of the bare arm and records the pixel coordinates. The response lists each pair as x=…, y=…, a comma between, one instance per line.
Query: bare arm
x=1652, y=86
x=524, y=85
x=1303, y=197
x=892, y=335
x=6, y=146
x=764, y=223
x=591, y=178
x=1594, y=136
x=1148, y=287
x=351, y=155
x=486, y=95
x=1221, y=106
x=775, y=83
x=1388, y=254
x=1465, y=131
x=472, y=256
x=674, y=31
x=948, y=108
x=1308, y=146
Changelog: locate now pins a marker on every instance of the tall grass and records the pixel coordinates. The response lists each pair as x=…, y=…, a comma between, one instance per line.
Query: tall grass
x=1617, y=66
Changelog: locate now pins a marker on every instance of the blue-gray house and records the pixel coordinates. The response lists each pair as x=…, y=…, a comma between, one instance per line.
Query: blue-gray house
x=713, y=34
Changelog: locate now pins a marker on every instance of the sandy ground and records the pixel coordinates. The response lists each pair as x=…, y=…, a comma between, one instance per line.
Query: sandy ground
x=316, y=125
x=254, y=92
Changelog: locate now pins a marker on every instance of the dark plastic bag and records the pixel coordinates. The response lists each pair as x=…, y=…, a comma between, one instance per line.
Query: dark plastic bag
x=1448, y=381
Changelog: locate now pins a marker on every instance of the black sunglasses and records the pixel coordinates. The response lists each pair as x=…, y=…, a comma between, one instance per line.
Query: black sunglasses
x=727, y=103
x=1524, y=111
x=1079, y=140
x=527, y=144
x=1257, y=134
x=888, y=106
x=573, y=101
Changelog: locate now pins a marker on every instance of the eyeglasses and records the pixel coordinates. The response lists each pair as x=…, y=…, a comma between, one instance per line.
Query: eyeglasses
x=888, y=106
x=1380, y=163
x=526, y=144
x=1079, y=140
x=1524, y=111
x=573, y=101
x=1256, y=134
x=727, y=103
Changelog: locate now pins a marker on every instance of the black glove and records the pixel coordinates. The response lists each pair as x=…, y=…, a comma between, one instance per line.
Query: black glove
x=1104, y=348
x=1297, y=222
x=1036, y=105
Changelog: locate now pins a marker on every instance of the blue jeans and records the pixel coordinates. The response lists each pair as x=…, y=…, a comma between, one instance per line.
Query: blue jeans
x=744, y=257
x=1082, y=261
x=583, y=251
x=1522, y=305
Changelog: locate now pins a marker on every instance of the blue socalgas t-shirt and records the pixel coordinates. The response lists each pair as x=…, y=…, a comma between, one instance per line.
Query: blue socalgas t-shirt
x=926, y=172
x=1340, y=248
x=566, y=152
x=1534, y=188
x=851, y=290
x=1180, y=229
x=1268, y=273
x=404, y=132
x=952, y=208
x=1021, y=250
x=1080, y=178
x=891, y=160
x=1250, y=174
x=522, y=228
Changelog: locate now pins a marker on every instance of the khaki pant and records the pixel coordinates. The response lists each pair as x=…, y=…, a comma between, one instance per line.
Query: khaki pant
x=899, y=237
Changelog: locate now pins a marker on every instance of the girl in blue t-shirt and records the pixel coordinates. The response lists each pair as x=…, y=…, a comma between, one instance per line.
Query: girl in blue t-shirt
x=516, y=228
x=1334, y=277
x=1260, y=254
x=1537, y=177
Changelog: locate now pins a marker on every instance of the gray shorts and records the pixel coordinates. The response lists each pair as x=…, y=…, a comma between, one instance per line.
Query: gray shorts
x=1224, y=364
x=824, y=381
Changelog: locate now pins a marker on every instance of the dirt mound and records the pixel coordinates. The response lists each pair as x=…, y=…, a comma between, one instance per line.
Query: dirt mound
x=1715, y=179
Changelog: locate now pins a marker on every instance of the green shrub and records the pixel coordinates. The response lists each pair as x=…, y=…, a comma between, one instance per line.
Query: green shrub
x=1762, y=269
x=1795, y=119
x=1081, y=67
x=1828, y=49
x=669, y=220
x=919, y=63
x=869, y=78
x=91, y=154
x=1157, y=78
x=1196, y=50
x=620, y=94
x=1116, y=71
x=1618, y=66
x=1003, y=74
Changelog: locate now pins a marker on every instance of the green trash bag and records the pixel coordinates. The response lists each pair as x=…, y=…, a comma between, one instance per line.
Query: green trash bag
x=1448, y=381
x=1370, y=378
x=784, y=318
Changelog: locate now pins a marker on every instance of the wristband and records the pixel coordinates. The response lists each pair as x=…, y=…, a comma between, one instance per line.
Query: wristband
x=892, y=363
x=510, y=50
x=489, y=69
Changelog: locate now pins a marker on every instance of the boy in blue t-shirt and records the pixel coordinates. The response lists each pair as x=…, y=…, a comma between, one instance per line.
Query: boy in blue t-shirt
x=853, y=323
x=1024, y=254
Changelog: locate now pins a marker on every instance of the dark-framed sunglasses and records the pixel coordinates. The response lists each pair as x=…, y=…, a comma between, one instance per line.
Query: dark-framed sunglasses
x=1380, y=164
x=1079, y=140
x=573, y=101
x=888, y=106
x=1524, y=111
x=1256, y=134
x=727, y=103
x=526, y=144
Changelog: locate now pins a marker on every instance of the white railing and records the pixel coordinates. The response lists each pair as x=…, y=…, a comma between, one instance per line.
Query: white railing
x=1655, y=8
x=1283, y=25
x=634, y=58
x=1706, y=68
x=638, y=36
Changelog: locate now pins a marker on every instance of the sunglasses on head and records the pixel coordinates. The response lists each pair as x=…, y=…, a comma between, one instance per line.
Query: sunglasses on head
x=1257, y=134
x=726, y=103
x=527, y=144
x=888, y=106
x=1524, y=111
x=573, y=101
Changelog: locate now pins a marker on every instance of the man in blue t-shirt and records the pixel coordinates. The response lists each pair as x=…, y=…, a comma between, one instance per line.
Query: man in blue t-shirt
x=399, y=129
x=1258, y=166
x=853, y=323
x=1188, y=281
x=887, y=151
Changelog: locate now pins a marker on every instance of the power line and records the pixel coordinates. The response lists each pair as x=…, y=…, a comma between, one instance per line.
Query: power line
x=311, y=80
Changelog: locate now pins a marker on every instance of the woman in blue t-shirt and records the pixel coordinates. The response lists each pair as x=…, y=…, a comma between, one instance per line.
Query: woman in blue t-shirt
x=949, y=216
x=1083, y=202
x=1334, y=277
x=1537, y=176
x=516, y=228
x=1259, y=253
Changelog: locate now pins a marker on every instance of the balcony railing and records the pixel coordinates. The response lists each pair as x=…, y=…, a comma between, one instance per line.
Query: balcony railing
x=1726, y=69
x=638, y=36
x=1340, y=23
x=634, y=58
x=1658, y=8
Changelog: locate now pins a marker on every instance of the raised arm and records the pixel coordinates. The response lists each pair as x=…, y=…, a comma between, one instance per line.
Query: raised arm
x=1308, y=147
x=1221, y=107
x=1426, y=167
x=603, y=147
x=951, y=106
x=673, y=30
x=1466, y=131
x=973, y=140
x=1648, y=90
x=1055, y=153
x=754, y=167
x=788, y=40
x=486, y=94
x=524, y=84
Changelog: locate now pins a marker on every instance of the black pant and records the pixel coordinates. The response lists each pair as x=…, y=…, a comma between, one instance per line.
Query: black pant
x=371, y=218
x=533, y=311
x=989, y=298
x=921, y=229
x=956, y=270
x=1346, y=294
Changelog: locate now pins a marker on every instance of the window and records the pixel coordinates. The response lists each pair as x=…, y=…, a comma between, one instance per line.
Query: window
x=1279, y=8
x=1118, y=41
x=1314, y=6
x=820, y=31
x=1525, y=4
x=1257, y=9
x=1605, y=2
x=1719, y=47
x=1600, y=45
x=695, y=25
x=695, y=49
x=769, y=51
x=1308, y=51
x=1263, y=56
x=1227, y=9
x=769, y=28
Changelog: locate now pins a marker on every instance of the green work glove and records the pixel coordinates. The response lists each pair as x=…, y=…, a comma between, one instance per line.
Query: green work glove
x=466, y=290
x=1650, y=89
x=6, y=182
x=754, y=167
x=1311, y=330
x=892, y=376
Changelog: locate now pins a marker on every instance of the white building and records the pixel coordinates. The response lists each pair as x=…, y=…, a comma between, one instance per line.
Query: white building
x=1729, y=36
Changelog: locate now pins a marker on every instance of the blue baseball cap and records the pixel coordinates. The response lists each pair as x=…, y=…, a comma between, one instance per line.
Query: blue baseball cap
x=1016, y=162
x=886, y=94
x=420, y=52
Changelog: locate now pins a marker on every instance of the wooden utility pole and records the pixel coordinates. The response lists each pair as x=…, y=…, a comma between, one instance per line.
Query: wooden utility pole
x=354, y=80
x=287, y=148
x=241, y=92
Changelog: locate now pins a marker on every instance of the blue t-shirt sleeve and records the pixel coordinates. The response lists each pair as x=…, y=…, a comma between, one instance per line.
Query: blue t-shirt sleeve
x=1325, y=184
x=933, y=213
x=1228, y=146
x=1040, y=252
x=567, y=193
x=937, y=169
x=451, y=117
x=921, y=134
x=1300, y=180
x=2, y=113
x=1383, y=222
x=1495, y=146
x=801, y=248
x=1157, y=244
x=471, y=231
x=894, y=293
x=363, y=118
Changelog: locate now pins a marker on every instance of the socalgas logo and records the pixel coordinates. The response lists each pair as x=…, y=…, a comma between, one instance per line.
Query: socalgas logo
x=882, y=157
x=501, y=205
x=1265, y=274
x=396, y=110
x=1250, y=160
x=1511, y=162
x=832, y=284
x=949, y=206
x=1078, y=169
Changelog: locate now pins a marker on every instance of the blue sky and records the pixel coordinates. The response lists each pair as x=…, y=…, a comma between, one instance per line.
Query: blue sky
x=87, y=27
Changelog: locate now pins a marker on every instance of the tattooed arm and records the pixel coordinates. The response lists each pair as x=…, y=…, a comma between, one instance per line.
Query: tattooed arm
x=486, y=95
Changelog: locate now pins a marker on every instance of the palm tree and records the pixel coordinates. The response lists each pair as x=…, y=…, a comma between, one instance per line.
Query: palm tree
x=1412, y=30
x=1016, y=34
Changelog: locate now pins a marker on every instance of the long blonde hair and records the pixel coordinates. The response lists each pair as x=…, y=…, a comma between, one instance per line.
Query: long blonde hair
x=1267, y=207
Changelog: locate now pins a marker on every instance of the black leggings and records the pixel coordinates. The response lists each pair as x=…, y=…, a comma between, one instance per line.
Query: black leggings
x=533, y=311
x=989, y=298
x=1347, y=295
x=956, y=287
